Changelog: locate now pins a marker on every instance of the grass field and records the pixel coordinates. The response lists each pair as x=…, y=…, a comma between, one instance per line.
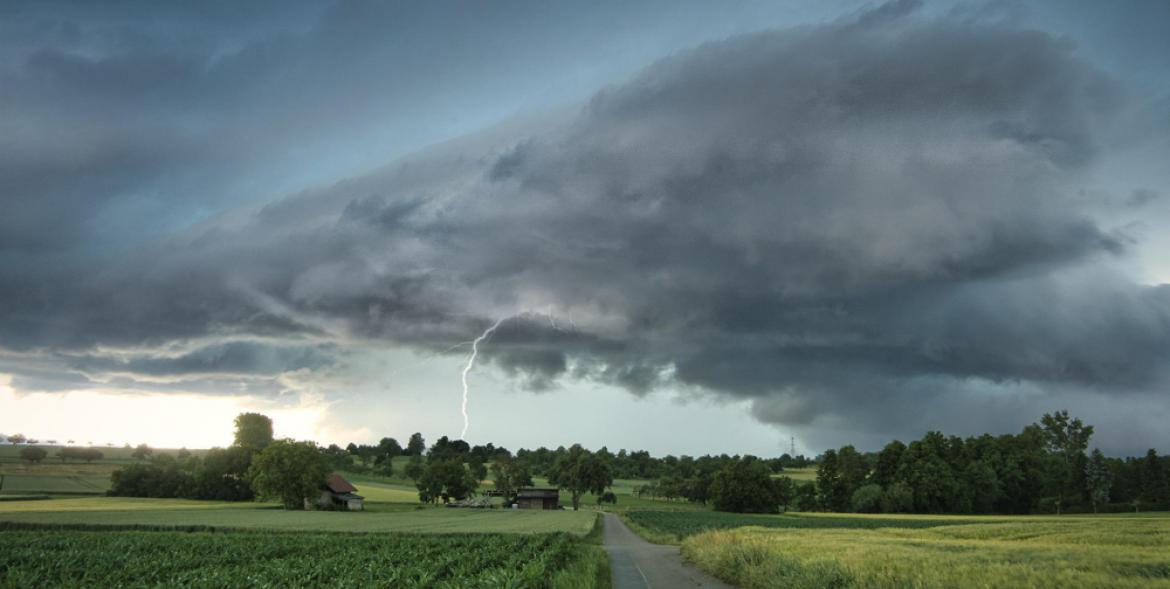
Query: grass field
x=121, y=511
x=672, y=527
x=1065, y=553
x=799, y=475
x=54, y=477
x=61, y=558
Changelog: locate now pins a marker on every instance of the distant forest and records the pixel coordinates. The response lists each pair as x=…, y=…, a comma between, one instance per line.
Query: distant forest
x=1046, y=468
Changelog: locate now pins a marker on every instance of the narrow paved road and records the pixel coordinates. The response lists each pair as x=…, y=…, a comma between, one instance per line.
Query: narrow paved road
x=638, y=564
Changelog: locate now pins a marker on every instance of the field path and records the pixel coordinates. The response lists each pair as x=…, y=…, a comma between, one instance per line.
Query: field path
x=638, y=564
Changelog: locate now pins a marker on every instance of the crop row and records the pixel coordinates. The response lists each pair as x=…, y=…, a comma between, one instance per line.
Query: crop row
x=55, y=558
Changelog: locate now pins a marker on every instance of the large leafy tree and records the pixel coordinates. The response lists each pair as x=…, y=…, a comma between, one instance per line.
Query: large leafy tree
x=1098, y=479
x=390, y=447
x=33, y=454
x=253, y=431
x=414, y=468
x=509, y=475
x=745, y=486
x=289, y=471
x=580, y=471
x=832, y=492
x=445, y=478
x=416, y=445
x=142, y=452
x=1067, y=439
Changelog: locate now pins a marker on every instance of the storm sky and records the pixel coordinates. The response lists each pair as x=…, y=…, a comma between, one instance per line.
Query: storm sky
x=704, y=226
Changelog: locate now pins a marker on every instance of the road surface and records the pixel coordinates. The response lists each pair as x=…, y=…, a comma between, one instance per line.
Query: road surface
x=638, y=564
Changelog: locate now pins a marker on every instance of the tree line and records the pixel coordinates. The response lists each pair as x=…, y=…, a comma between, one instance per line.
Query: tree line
x=1046, y=468
x=221, y=474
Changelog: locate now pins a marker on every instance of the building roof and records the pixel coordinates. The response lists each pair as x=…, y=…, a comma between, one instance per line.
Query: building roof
x=534, y=493
x=337, y=484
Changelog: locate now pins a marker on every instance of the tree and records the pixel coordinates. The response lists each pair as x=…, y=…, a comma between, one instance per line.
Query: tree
x=477, y=467
x=509, y=475
x=580, y=471
x=162, y=477
x=33, y=454
x=17, y=439
x=1155, y=488
x=830, y=485
x=1067, y=438
x=337, y=457
x=854, y=469
x=806, y=497
x=366, y=453
x=607, y=497
x=385, y=465
x=744, y=486
x=897, y=498
x=142, y=452
x=253, y=431
x=414, y=468
x=390, y=447
x=90, y=454
x=447, y=448
x=289, y=471
x=221, y=475
x=446, y=479
x=983, y=488
x=416, y=445
x=1098, y=479
x=886, y=469
x=867, y=499
x=785, y=491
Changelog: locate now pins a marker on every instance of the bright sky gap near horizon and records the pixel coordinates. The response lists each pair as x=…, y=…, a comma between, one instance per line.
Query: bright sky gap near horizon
x=705, y=226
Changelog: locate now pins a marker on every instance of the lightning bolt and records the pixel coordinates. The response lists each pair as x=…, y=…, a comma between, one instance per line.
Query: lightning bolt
x=471, y=364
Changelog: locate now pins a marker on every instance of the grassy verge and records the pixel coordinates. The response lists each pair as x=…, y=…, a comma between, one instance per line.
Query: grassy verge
x=649, y=534
x=591, y=567
x=1065, y=554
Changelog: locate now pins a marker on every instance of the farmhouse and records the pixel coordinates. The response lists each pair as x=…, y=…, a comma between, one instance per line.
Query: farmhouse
x=538, y=498
x=337, y=494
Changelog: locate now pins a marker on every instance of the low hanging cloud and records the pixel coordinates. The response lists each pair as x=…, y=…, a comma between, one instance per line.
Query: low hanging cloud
x=834, y=221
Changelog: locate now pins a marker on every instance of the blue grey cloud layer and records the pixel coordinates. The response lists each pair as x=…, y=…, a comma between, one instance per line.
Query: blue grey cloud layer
x=834, y=220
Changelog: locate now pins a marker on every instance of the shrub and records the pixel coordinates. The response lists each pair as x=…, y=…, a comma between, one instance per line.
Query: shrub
x=868, y=499
x=897, y=498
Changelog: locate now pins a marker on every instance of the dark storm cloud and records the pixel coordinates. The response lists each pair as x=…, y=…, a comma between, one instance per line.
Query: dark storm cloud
x=831, y=221
x=227, y=359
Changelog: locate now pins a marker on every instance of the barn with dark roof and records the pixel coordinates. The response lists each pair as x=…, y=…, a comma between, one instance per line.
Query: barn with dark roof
x=337, y=494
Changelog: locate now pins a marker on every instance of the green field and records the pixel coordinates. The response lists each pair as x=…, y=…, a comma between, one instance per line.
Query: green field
x=121, y=511
x=799, y=475
x=672, y=527
x=55, y=477
x=61, y=558
x=962, y=552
